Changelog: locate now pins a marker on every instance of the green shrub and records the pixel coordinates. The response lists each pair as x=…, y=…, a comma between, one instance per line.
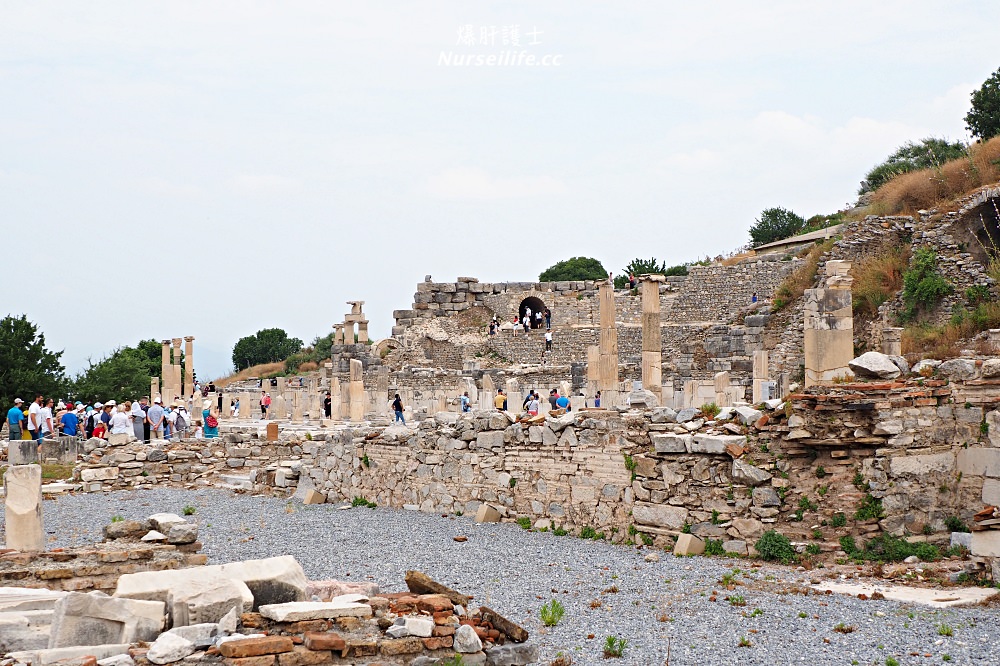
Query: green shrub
x=807, y=504
x=552, y=612
x=588, y=532
x=955, y=524
x=839, y=519
x=710, y=410
x=869, y=508
x=361, y=501
x=559, y=531
x=813, y=549
x=923, y=285
x=977, y=294
x=576, y=268
x=117, y=519
x=929, y=153
x=714, y=547
x=774, y=224
x=524, y=522
x=983, y=119
x=848, y=545
x=189, y=510
x=775, y=547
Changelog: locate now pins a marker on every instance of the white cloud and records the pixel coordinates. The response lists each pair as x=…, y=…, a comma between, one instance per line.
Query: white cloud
x=265, y=185
x=163, y=187
x=477, y=184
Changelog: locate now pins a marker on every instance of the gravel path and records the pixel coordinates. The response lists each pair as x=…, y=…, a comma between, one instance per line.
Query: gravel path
x=516, y=571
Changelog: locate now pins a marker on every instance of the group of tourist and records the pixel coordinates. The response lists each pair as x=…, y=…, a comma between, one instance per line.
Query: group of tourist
x=526, y=322
x=144, y=420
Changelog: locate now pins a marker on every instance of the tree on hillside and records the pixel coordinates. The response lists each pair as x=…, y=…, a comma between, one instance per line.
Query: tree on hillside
x=774, y=224
x=267, y=345
x=577, y=268
x=27, y=367
x=929, y=153
x=123, y=374
x=984, y=118
x=639, y=267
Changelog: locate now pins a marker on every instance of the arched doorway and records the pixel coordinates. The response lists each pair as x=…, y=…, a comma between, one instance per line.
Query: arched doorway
x=535, y=304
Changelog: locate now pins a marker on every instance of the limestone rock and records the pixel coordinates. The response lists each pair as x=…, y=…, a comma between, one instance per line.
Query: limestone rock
x=991, y=368
x=874, y=364
x=466, y=640
x=23, y=508
x=116, y=660
x=343, y=606
x=659, y=515
x=796, y=421
x=124, y=529
x=993, y=421
x=664, y=415
x=670, y=443
x=689, y=544
x=686, y=415
x=161, y=522
x=325, y=590
x=487, y=514
x=512, y=654
x=901, y=363
x=715, y=444
x=97, y=619
x=154, y=537
x=271, y=581
x=735, y=546
x=418, y=626
x=748, y=415
x=202, y=635
x=182, y=533
x=744, y=472
x=926, y=365
x=203, y=601
x=169, y=648
x=958, y=368
x=766, y=496
x=643, y=399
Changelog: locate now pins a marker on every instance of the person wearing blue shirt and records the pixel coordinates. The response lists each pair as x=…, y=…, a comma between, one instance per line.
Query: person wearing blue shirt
x=70, y=424
x=14, y=419
x=562, y=402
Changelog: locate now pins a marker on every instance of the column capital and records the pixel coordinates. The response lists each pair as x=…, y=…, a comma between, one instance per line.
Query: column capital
x=188, y=338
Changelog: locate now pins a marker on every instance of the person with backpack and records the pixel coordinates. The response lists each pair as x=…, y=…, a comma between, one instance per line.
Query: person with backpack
x=182, y=421
x=397, y=407
x=211, y=423
x=466, y=402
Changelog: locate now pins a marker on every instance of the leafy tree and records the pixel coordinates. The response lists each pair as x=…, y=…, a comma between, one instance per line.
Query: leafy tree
x=929, y=153
x=984, y=118
x=639, y=267
x=267, y=345
x=123, y=374
x=577, y=268
x=774, y=224
x=27, y=367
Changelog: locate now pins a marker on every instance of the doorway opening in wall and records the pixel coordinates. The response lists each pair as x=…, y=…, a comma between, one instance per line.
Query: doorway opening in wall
x=534, y=304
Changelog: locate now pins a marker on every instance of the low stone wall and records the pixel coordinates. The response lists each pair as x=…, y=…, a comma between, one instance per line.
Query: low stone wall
x=91, y=568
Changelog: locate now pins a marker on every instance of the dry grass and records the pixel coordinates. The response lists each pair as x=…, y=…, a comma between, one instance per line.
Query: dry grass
x=936, y=188
x=308, y=366
x=262, y=370
x=803, y=277
x=737, y=258
x=948, y=341
x=877, y=279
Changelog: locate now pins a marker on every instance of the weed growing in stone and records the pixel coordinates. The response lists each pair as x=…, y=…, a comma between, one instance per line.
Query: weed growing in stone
x=803, y=614
x=817, y=534
x=839, y=519
x=646, y=539
x=715, y=517
x=189, y=510
x=361, y=501
x=859, y=481
x=117, y=519
x=588, y=532
x=955, y=524
x=710, y=409
x=552, y=612
x=889, y=661
x=807, y=504
x=365, y=461
x=813, y=549
x=614, y=647
x=756, y=612
x=823, y=490
x=737, y=600
x=842, y=628
x=775, y=547
x=524, y=522
x=870, y=508
x=820, y=472
x=945, y=630
x=714, y=547
x=744, y=642
x=559, y=531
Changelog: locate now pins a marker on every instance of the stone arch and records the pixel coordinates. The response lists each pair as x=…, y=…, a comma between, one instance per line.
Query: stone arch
x=537, y=305
x=384, y=346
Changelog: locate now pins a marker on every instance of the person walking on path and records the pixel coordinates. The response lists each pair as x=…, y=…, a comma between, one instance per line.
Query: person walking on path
x=265, y=403
x=397, y=408
x=548, y=319
x=527, y=323
x=15, y=418
x=548, y=340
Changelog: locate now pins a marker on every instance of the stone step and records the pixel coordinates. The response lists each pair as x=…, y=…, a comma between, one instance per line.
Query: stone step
x=235, y=481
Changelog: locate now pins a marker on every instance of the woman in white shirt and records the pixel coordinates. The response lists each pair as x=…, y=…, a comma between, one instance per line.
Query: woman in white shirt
x=121, y=420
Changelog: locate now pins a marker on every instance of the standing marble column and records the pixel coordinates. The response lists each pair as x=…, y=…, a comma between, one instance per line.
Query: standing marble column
x=382, y=391
x=652, y=339
x=608, y=383
x=892, y=341
x=188, y=365
x=357, y=391
x=166, y=376
x=175, y=368
x=336, y=400
x=363, y=332
x=154, y=388
x=829, y=326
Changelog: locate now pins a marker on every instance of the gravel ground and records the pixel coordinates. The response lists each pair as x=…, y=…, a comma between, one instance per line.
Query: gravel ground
x=516, y=571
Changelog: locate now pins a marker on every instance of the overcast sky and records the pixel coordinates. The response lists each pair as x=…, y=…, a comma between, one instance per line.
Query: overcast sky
x=214, y=168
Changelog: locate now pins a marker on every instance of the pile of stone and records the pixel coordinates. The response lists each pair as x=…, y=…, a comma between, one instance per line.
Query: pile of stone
x=253, y=613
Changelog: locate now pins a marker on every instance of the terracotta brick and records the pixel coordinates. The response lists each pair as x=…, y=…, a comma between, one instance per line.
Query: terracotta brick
x=263, y=660
x=394, y=646
x=53, y=574
x=443, y=630
x=301, y=656
x=443, y=617
x=348, y=623
x=315, y=640
x=113, y=556
x=254, y=647
x=438, y=642
x=434, y=603
x=252, y=620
